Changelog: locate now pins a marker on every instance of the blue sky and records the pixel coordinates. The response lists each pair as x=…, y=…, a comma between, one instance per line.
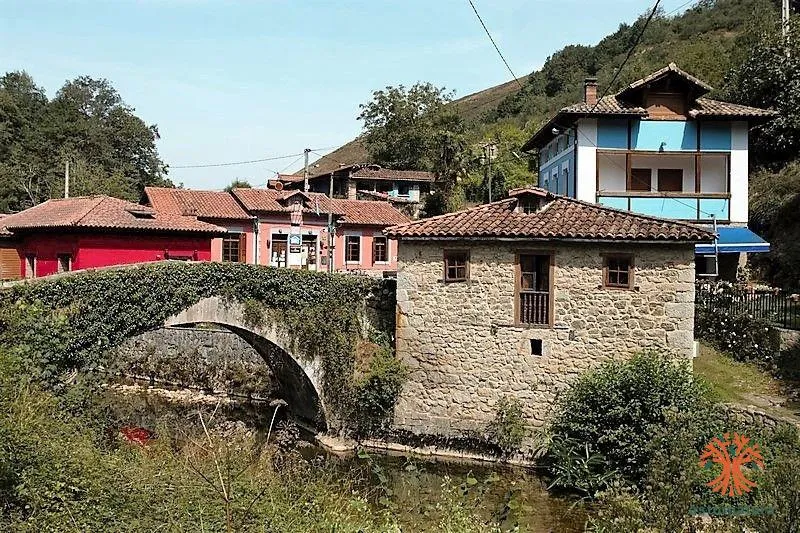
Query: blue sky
x=240, y=80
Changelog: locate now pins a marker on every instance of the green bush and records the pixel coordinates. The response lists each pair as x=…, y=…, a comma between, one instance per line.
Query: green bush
x=619, y=408
x=377, y=390
x=507, y=429
x=742, y=336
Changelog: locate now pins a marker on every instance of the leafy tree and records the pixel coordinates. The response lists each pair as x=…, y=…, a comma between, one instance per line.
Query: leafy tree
x=238, y=183
x=111, y=150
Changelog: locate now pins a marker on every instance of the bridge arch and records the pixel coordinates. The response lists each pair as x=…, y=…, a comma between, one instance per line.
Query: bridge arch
x=299, y=378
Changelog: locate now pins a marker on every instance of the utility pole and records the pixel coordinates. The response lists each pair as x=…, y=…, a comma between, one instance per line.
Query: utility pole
x=330, y=226
x=305, y=170
x=66, y=179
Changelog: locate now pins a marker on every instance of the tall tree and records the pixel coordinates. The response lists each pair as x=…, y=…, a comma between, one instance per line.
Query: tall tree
x=110, y=149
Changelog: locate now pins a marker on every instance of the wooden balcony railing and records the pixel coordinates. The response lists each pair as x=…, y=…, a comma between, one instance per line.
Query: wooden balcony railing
x=534, y=307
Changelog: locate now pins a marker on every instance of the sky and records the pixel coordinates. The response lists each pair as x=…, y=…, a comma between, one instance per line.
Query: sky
x=229, y=81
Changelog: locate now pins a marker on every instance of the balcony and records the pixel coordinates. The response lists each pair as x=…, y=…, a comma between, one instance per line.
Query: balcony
x=692, y=186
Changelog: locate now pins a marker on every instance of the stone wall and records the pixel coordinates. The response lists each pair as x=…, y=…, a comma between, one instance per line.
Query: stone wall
x=465, y=351
x=202, y=357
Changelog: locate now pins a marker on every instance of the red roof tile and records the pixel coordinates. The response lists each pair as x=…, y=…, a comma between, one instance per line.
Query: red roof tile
x=367, y=212
x=102, y=212
x=203, y=204
x=559, y=218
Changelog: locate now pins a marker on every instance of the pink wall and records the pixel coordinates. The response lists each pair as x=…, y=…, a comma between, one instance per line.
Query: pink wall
x=236, y=227
x=319, y=227
x=100, y=250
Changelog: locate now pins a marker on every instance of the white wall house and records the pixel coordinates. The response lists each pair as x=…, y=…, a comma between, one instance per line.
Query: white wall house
x=659, y=147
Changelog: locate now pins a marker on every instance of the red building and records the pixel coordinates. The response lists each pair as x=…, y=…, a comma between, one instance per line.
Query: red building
x=90, y=232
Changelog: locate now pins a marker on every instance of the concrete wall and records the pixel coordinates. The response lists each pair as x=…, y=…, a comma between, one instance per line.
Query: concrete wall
x=465, y=353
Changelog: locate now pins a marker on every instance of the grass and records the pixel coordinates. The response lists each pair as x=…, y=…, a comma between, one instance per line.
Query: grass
x=741, y=383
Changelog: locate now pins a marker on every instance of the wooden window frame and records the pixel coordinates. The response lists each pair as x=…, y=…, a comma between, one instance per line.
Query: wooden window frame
x=30, y=266
x=347, y=238
x=669, y=173
x=241, y=248
x=375, y=240
x=446, y=256
x=635, y=180
x=550, y=254
x=631, y=271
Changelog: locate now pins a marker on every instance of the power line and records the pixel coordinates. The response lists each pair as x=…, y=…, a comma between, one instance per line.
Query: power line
x=680, y=7
x=494, y=43
x=629, y=54
x=248, y=162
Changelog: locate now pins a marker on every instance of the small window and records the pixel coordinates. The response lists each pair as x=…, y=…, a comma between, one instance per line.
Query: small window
x=64, y=262
x=380, y=249
x=670, y=180
x=233, y=248
x=352, y=248
x=536, y=346
x=403, y=189
x=534, y=289
x=30, y=266
x=528, y=205
x=618, y=271
x=640, y=179
x=456, y=265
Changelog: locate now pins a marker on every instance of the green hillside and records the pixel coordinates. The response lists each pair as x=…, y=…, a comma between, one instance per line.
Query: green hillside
x=705, y=40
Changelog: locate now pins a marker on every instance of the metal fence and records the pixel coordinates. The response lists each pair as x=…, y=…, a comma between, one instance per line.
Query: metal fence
x=772, y=305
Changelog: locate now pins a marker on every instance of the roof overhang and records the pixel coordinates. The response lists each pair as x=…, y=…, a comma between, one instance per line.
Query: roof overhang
x=734, y=240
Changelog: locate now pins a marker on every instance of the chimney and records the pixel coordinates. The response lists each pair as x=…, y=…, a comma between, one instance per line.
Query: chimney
x=590, y=91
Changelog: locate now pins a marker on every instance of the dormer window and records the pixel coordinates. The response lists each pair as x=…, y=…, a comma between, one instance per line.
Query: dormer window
x=142, y=213
x=528, y=205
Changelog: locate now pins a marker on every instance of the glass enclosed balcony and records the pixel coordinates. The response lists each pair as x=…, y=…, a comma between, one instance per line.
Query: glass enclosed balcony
x=691, y=186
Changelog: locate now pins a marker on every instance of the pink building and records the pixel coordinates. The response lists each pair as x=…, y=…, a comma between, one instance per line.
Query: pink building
x=290, y=228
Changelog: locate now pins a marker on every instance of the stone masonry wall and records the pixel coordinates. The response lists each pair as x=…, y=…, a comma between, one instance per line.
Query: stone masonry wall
x=208, y=358
x=465, y=353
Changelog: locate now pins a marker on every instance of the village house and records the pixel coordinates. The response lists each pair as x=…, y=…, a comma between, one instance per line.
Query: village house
x=66, y=234
x=215, y=207
x=659, y=147
x=405, y=189
x=292, y=230
x=520, y=296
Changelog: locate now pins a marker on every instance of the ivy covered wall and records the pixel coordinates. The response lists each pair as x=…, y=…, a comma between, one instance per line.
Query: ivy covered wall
x=68, y=323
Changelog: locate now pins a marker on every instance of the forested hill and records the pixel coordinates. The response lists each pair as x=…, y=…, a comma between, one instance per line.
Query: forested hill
x=706, y=40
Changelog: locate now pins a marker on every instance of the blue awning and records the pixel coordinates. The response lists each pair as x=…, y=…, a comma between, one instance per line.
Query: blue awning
x=734, y=239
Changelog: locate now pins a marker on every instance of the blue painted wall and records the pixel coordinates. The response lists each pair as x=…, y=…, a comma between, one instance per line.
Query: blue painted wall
x=675, y=134
x=674, y=208
x=563, y=184
x=612, y=134
x=715, y=136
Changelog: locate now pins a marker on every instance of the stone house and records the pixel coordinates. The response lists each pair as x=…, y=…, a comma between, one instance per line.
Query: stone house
x=520, y=296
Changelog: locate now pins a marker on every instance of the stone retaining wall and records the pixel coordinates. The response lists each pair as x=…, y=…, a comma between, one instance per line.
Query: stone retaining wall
x=215, y=359
x=465, y=352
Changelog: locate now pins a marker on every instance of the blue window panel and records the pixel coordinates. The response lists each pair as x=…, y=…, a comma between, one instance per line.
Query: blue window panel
x=675, y=208
x=715, y=136
x=616, y=203
x=719, y=207
x=612, y=134
x=675, y=135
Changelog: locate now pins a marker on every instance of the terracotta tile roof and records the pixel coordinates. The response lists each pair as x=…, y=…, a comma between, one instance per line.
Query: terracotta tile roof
x=273, y=201
x=370, y=213
x=103, y=212
x=366, y=212
x=203, y=204
x=672, y=68
x=706, y=107
x=559, y=218
x=394, y=175
x=618, y=105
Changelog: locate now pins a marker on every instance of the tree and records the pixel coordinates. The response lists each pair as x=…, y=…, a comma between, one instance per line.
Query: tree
x=110, y=150
x=767, y=78
x=238, y=183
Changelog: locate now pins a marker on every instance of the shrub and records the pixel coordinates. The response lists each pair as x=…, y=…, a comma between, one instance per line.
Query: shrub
x=377, y=390
x=507, y=429
x=742, y=336
x=618, y=409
